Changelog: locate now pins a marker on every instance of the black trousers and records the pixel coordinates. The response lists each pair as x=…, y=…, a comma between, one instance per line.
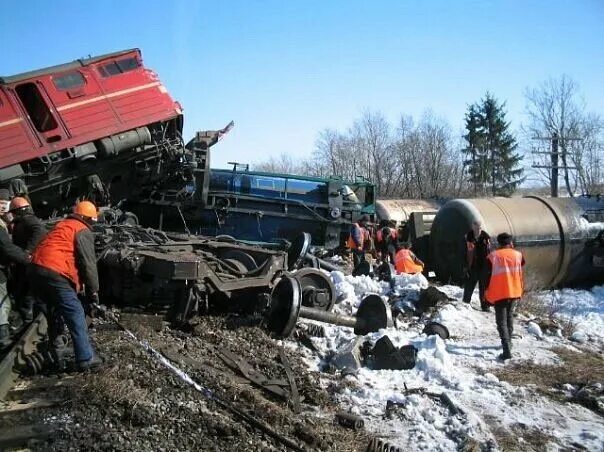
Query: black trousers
x=358, y=256
x=25, y=300
x=476, y=275
x=505, y=320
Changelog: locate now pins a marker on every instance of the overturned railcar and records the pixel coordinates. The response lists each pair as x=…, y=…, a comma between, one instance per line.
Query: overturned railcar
x=561, y=238
x=256, y=206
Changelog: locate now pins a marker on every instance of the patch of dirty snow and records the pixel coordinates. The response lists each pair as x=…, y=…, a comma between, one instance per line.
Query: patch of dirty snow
x=462, y=367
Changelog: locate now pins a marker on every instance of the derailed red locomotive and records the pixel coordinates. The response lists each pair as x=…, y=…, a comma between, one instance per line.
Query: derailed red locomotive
x=98, y=128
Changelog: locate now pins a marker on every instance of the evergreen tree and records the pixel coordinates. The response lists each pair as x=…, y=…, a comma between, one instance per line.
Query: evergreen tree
x=475, y=162
x=492, y=162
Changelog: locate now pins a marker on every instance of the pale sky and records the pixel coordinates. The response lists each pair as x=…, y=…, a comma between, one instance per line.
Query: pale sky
x=284, y=70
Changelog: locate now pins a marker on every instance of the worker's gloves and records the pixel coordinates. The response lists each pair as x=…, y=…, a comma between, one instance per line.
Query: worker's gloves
x=93, y=298
x=91, y=305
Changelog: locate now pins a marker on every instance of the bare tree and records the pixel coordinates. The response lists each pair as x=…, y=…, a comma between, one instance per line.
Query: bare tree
x=587, y=154
x=409, y=161
x=284, y=163
x=332, y=155
x=554, y=108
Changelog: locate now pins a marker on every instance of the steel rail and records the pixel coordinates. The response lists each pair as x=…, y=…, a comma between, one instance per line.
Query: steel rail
x=24, y=345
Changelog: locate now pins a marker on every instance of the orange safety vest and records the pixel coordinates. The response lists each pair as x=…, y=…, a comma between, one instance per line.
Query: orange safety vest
x=364, y=236
x=506, y=276
x=404, y=263
x=56, y=251
x=379, y=235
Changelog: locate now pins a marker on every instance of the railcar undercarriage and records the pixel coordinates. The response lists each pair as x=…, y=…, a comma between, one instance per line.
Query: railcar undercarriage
x=181, y=275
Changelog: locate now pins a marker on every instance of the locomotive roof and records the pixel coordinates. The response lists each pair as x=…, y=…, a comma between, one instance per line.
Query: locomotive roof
x=62, y=67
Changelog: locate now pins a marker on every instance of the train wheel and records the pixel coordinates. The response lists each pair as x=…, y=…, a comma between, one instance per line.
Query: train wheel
x=318, y=290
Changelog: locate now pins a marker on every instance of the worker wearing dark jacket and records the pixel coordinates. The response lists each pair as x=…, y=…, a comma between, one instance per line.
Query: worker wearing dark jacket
x=9, y=254
x=27, y=231
x=385, y=242
x=478, y=244
x=505, y=287
x=62, y=263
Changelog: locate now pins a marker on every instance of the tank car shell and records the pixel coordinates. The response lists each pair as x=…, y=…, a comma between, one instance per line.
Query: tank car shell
x=550, y=232
x=399, y=210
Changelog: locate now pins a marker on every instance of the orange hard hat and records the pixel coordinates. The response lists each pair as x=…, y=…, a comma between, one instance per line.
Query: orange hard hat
x=86, y=209
x=18, y=203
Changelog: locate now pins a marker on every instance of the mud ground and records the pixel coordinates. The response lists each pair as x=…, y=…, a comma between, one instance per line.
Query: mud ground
x=135, y=403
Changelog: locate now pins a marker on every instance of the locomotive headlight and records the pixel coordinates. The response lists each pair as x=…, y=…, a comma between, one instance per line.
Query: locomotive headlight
x=335, y=212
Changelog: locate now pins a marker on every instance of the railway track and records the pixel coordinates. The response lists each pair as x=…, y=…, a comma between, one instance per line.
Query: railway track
x=14, y=359
x=21, y=395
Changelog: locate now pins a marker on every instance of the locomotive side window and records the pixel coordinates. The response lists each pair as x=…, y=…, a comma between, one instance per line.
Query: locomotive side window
x=72, y=80
x=36, y=107
x=109, y=69
x=119, y=67
x=127, y=64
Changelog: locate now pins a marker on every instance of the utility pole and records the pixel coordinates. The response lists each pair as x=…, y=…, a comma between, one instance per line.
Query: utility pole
x=555, y=161
x=554, y=166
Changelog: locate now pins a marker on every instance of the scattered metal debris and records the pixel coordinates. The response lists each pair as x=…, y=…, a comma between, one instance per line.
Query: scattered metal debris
x=350, y=420
x=235, y=362
x=381, y=445
x=314, y=330
x=438, y=329
x=294, y=395
x=429, y=299
x=350, y=356
x=386, y=356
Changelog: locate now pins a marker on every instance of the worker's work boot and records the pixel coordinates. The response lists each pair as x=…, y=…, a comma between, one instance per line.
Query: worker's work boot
x=5, y=340
x=507, y=351
x=91, y=365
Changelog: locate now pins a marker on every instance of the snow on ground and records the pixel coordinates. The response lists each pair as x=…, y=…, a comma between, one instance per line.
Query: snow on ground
x=584, y=307
x=462, y=367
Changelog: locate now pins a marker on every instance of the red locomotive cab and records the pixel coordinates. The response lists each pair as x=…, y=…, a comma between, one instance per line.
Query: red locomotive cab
x=104, y=117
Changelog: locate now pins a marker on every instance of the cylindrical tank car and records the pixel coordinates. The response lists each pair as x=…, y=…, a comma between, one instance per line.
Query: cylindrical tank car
x=558, y=236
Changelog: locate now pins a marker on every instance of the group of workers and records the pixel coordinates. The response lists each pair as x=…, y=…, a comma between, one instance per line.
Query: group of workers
x=44, y=271
x=498, y=272
x=386, y=243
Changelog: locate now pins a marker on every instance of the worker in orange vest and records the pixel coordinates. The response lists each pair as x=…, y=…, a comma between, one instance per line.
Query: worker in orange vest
x=407, y=262
x=62, y=263
x=505, y=287
x=358, y=238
